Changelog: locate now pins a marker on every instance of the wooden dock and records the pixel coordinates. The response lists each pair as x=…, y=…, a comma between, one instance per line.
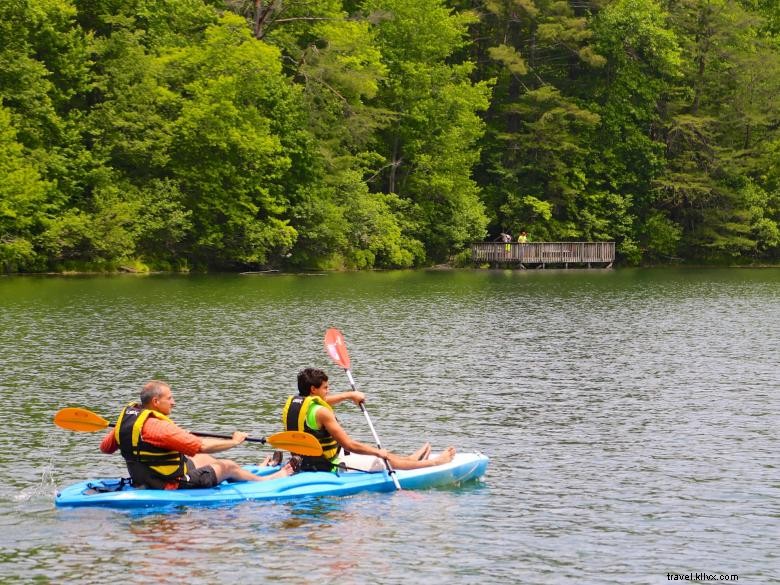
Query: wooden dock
x=542, y=254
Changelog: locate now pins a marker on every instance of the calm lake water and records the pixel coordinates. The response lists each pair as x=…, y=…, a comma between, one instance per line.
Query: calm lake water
x=631, y=416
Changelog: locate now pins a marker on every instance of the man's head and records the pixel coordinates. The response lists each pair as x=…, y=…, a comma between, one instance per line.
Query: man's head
x=157, y=395
x=308, y=378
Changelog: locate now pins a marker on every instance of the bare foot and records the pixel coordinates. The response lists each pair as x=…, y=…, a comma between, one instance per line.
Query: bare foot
x=444, y=457
x=273, y=459
x=286, y=471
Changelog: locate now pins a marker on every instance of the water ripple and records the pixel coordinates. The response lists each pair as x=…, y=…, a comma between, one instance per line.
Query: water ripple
x=631, y=418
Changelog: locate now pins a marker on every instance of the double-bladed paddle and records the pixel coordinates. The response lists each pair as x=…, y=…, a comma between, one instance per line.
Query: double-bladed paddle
x=337, y=350
x=85, y=421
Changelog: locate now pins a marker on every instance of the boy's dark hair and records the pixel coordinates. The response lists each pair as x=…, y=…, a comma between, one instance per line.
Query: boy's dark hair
x=308, y=378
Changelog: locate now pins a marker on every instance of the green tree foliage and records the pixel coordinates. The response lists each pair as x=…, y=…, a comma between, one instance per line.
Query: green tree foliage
x=44, y=68
x=431, y=147
x=539, y=148
x=338, y=66
x=637, y=120
x=384, y=133
x=389, y=113
x=44, y=81
x=23, y=198
x=717, y=129
x=232, y=144
x=643, y=62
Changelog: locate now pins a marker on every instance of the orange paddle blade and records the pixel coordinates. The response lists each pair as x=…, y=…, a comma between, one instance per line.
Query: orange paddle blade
x=296, y=442
x=337, y=347
x=80, y=420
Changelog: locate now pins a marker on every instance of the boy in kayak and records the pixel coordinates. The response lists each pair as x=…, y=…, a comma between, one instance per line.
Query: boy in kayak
x=312, y=412
x=161, y=455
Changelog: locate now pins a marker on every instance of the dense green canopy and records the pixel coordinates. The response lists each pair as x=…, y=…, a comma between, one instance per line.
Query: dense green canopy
x=214, y=134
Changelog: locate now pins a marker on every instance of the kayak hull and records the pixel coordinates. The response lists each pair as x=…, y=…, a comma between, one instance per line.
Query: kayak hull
x=464, y=467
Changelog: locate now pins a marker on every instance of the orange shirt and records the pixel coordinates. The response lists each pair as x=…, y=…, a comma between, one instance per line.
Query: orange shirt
x=163, y=434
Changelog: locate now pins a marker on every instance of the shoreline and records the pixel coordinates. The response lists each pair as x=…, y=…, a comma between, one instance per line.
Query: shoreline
x=434, y=268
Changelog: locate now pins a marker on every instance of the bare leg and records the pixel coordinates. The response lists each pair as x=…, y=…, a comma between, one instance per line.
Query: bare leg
x=422, y=452
x=230, y=470
x=419, y=455
x=400, y=462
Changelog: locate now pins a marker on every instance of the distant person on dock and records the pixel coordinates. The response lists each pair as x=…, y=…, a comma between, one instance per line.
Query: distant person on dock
x=507, y=239
x=522, y=238
x=312, y=412
x=161, y=455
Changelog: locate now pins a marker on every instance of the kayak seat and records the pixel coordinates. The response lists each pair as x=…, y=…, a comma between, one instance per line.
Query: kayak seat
x=106, y=486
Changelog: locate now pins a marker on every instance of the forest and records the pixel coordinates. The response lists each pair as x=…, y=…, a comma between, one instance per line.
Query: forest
x=357, y=134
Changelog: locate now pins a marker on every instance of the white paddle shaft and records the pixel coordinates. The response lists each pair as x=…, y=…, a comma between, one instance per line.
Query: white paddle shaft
x=390, y=469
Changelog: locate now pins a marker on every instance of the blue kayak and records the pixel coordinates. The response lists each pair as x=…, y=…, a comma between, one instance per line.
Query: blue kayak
x=113, y=493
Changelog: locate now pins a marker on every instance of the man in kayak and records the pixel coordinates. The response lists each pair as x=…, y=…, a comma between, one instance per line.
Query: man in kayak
x=161, y=455
x=312, y=412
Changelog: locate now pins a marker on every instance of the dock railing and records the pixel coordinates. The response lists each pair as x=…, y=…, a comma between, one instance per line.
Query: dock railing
x=543, y=253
